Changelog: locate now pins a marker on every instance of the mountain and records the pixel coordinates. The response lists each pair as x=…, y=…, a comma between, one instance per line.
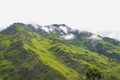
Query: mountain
x=56, y=52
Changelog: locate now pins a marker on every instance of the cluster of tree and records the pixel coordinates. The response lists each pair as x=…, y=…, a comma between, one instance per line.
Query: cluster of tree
x=93, y=73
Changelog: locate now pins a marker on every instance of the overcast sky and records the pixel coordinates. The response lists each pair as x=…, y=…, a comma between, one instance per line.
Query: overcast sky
x=98, y=16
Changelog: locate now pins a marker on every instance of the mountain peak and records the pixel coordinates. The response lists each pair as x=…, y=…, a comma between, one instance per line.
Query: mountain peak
x=61, y=27
x=17, y=27
x=58, y=25
x=19, y=23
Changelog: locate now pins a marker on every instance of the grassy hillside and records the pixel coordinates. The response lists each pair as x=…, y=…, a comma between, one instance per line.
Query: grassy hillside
x=26, y=54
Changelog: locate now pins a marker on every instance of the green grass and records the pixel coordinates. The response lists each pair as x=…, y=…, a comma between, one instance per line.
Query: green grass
x=26, y=54
x=52, y=61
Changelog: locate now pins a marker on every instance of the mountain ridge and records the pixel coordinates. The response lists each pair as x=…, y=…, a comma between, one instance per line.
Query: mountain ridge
x=109, y=34
x=27, y=53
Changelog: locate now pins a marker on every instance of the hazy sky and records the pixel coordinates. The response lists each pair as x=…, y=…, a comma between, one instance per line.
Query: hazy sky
x=101, y=16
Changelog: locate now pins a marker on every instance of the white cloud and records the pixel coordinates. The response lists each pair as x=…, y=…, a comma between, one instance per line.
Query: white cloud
x=68, y=36
x=64, y=28
x=111, y=34
x=35, y=25
x=46, y=29
x=95, y=37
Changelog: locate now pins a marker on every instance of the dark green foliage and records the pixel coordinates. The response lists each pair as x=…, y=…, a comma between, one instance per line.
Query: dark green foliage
x=113, y=77
x=93, y=74
x=113, y=41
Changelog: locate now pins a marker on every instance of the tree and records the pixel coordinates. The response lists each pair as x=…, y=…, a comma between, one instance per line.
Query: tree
x=93, y=73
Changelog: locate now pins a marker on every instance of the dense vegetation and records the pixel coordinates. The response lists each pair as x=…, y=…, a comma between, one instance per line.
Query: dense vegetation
x=30, y=54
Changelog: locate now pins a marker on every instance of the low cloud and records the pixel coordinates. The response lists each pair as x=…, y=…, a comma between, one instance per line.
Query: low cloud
x=111, y=34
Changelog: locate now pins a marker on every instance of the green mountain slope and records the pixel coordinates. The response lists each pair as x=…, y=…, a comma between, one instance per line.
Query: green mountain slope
x=30, y=54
